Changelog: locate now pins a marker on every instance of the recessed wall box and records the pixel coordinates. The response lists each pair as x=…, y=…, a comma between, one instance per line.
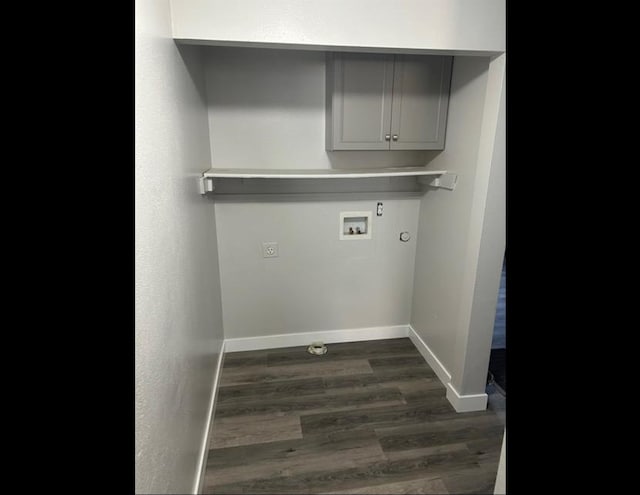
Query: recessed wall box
x=355, y=225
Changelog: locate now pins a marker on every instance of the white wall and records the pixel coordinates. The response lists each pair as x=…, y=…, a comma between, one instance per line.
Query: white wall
x=177, y=296
x=457, y=278
x=486, y=243
x=318, y=282
x=459, y=25
x=444, y=215
x=267, y=110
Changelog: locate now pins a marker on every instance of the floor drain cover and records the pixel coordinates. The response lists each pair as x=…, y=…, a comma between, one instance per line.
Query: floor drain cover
x=317, y=348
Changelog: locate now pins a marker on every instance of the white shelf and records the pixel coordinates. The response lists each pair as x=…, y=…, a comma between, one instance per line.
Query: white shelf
x=254, y=173
x=213, y=180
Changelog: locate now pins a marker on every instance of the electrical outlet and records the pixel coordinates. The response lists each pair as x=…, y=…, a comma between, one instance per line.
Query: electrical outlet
x=269, y=249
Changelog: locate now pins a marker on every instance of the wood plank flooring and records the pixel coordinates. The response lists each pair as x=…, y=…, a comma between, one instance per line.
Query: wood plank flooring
x=365, y=418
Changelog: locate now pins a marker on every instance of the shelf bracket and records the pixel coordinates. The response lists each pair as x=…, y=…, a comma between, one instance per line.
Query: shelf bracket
x=445, y=181
x=205, y=185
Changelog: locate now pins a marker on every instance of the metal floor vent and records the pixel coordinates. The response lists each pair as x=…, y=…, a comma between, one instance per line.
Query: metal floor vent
x=317, y=348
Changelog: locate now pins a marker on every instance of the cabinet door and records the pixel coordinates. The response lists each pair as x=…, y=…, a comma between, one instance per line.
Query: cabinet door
x=420, y=102
x=359, y=101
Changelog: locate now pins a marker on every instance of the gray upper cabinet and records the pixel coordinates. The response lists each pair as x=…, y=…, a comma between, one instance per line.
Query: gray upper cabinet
x=358, y=101
x=420, y=102
x=386, y=102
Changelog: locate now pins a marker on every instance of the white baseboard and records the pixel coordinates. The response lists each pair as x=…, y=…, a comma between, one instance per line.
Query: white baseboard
x=199, y=481
x=430, y=357
x=326, y=336
x=466, y=403
x=461, y=403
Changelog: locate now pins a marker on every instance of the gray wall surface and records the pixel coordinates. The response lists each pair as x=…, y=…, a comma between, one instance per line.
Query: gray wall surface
x=178, y=321
x=445, y=215
x=318, y=282
x=457, y=278
x=267, y=110
x=485, y=248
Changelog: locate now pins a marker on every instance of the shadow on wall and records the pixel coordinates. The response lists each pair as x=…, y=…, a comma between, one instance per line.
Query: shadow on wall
x=275, y=69
x=192, y=57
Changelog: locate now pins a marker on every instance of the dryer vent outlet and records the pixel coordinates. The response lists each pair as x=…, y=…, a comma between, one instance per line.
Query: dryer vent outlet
x=317, y=348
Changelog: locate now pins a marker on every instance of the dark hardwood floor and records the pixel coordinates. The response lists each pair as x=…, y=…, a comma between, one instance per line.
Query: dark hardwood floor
x=367, y=417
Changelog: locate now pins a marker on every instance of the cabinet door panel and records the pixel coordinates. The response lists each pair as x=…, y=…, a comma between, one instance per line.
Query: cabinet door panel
x=420, y=102
x=361, y=101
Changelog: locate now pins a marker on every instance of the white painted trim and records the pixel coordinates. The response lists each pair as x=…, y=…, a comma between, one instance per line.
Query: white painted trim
x=461, y=403
x=466, y=403
x=198, y=484
x=430, y=357
x=326, y=336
